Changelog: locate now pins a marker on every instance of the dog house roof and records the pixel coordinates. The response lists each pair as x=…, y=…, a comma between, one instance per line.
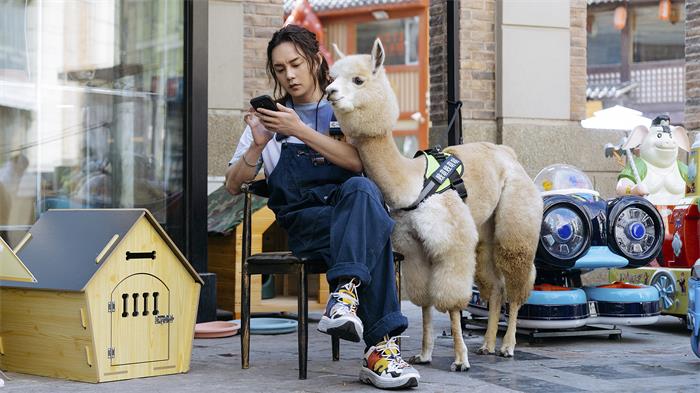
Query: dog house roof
x=65, y=243
x=11, y=268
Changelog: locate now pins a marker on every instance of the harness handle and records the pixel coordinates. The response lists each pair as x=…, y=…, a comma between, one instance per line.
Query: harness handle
x=458, y=111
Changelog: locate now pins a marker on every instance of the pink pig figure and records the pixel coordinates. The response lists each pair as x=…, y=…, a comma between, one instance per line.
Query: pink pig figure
x=656, y=174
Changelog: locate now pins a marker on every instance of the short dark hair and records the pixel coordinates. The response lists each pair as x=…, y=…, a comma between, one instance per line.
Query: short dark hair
x=307, y=44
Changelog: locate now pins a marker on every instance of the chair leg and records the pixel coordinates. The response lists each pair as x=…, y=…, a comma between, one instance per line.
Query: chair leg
x=335, y=343
x=303, y=327
x=397, y=278
x=245, y=318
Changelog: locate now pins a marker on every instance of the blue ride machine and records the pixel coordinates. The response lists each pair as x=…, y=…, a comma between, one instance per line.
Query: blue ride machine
x=694, y=308
x=581, y=232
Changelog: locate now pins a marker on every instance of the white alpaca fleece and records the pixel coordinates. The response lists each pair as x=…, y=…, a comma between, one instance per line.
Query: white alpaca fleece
x=490, y=238
x=442, y=220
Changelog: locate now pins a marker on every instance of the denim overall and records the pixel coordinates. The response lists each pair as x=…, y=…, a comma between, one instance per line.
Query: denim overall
x=339, y=216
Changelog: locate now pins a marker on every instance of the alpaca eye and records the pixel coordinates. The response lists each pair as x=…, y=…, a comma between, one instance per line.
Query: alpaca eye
x=658, y=135
x=356, y=80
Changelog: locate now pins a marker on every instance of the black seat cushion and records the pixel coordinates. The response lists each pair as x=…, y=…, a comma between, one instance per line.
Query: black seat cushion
x=273, y=257
x=282, y=262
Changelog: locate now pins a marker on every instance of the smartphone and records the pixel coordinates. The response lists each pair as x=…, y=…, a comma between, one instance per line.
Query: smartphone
x=263, y=101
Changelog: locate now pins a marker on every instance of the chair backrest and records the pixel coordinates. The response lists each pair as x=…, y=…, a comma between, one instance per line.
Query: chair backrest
x=259, y=188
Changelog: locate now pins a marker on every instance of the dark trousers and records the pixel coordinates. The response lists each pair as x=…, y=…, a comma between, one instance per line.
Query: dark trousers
x=335, y=215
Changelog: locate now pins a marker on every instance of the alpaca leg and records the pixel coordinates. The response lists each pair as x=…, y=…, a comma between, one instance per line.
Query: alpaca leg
x=508, y=346
x=415, y=268
x=518, y=218
x=490, y=285
x=461, y=362
x=416, y=274
x=426, y=354
x=489, y=345
x=449, y=237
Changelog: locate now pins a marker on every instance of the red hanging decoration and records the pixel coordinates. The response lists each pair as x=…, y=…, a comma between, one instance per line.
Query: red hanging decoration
x=665, y=9
x=620, y=17
x=303, y=15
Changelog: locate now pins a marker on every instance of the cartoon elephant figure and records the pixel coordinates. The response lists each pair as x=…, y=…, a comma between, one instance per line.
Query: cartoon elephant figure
x=659, y=176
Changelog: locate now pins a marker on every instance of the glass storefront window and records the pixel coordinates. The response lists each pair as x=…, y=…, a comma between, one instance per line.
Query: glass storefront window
x=399, y=38
x=604, y=41
x=655, y=39
x=91, y=107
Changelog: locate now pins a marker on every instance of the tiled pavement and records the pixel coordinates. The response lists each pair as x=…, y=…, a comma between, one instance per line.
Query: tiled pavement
x=651, y=359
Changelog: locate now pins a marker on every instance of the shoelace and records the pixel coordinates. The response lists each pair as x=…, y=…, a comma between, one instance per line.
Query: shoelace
x=394, y=351
x=348, y=299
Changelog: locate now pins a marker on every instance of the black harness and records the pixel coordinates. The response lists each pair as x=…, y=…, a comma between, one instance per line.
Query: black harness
x=450, y=171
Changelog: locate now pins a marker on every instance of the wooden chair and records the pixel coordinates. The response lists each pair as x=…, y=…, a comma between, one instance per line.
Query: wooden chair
x=283, y=262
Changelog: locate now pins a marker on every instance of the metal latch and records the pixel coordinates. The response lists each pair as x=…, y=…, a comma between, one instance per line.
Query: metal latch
x=592, y=309
x=164, y=319
x=110, y=353
x=110, y=306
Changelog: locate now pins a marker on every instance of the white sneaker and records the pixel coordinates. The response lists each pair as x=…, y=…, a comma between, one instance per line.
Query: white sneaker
x=340, y=318
x=383, y=367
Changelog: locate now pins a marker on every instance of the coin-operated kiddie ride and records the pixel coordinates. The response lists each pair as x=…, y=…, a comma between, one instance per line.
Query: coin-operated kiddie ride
x=694, y=308
x=580, y=232
x=670, y=185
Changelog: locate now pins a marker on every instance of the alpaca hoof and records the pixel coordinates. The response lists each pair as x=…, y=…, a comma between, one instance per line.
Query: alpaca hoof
x=506, y=352
x=459, y=366
x=483, y=351
x=418, y=359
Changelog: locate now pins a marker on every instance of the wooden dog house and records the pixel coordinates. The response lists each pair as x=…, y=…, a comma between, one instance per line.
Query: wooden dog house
x=114, y=299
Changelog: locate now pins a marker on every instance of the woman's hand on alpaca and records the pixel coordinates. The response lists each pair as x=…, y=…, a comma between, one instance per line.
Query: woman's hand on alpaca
x=284, y=121
x=261, y=135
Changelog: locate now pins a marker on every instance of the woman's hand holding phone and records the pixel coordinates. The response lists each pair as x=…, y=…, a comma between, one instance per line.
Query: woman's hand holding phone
x=261, y=135
x=284, y=121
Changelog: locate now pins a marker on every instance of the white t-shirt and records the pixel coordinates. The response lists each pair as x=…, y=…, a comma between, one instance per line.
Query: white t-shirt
x=271, y=152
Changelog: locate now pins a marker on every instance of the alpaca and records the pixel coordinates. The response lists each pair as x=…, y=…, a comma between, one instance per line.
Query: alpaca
x=491, y=236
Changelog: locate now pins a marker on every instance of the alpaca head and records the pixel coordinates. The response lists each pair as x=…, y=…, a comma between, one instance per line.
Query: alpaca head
x=362, y=98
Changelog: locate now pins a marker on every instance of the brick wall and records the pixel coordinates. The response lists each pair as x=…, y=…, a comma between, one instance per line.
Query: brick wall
x=578, y=59
x=438, y=72
x=692, y=65
x=477, y=54
x=261, y=18
x=477, y=73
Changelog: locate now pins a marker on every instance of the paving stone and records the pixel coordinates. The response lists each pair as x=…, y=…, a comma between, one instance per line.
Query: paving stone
x=647, y=359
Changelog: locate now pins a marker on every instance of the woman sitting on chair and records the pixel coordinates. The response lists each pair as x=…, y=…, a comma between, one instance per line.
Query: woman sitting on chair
x=329, y=210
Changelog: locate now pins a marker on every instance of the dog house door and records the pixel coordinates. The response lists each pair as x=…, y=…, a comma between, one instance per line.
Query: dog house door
x=140, y=320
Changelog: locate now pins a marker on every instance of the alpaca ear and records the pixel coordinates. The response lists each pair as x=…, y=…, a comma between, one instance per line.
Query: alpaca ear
x=338, y=52
x=377, y=55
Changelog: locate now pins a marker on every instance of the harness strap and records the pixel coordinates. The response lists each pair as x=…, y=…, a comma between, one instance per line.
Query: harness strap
x=448, y=169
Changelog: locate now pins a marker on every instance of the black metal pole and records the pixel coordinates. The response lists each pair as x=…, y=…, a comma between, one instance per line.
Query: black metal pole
x=454, y=134
x=195, y=165
x=245, y=278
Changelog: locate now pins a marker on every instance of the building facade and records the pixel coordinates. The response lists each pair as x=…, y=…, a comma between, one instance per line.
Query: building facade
x=238, y=35
x=692, y=66
x=402, y=25
x=636, y=56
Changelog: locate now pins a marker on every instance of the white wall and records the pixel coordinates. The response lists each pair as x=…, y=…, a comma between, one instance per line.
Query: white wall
x=533, y=60
x=225, y=55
